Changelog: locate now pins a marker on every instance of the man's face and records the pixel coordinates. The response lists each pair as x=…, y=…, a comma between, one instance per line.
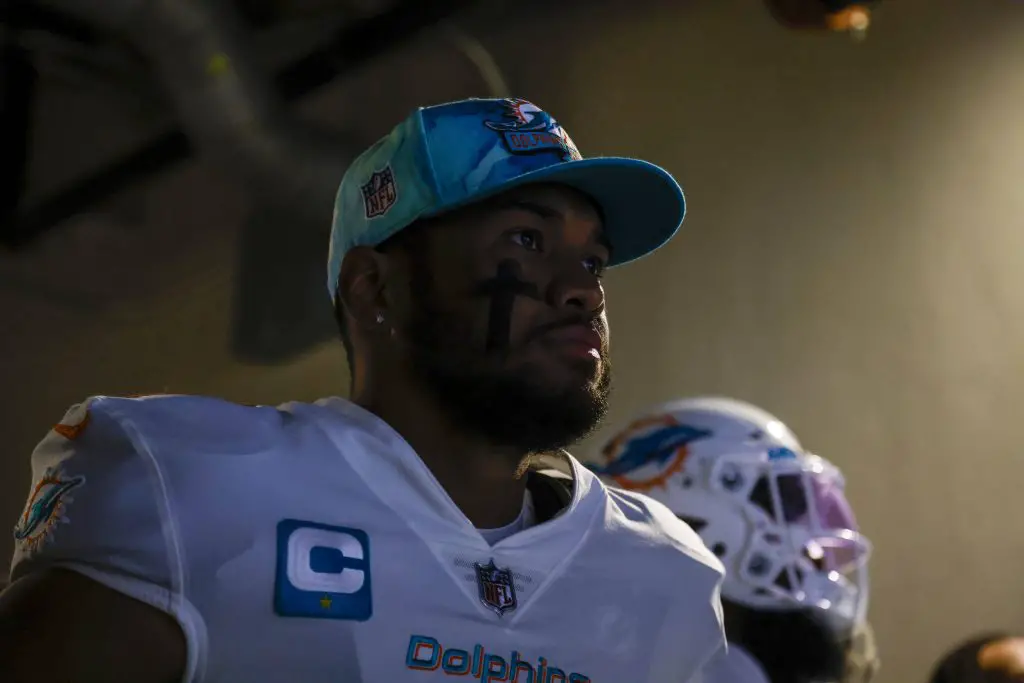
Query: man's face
x=506, y=318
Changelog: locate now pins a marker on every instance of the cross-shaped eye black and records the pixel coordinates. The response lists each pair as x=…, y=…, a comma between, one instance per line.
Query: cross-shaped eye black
x=503, y=289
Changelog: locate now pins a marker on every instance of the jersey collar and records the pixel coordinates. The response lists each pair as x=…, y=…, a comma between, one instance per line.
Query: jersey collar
x=392, y=468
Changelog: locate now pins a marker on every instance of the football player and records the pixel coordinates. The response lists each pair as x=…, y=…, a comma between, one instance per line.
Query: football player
x=795, y=593
x=401, y=535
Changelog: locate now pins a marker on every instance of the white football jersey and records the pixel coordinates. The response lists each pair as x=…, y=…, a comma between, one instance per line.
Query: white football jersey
x=310, y=543
x=734, y=665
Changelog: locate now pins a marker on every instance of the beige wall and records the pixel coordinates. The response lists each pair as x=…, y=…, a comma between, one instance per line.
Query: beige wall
x=852, y=261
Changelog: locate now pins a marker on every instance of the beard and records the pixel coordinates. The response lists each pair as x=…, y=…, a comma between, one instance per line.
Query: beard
x=510, y=408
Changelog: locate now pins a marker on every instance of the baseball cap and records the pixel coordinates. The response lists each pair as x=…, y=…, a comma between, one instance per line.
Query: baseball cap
x=451, y=155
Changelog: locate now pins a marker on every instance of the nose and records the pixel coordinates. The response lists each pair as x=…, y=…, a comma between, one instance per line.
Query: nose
x=579, y=290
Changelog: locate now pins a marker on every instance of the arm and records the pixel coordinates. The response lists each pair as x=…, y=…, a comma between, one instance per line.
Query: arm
x=58, y=625
x=95, y=592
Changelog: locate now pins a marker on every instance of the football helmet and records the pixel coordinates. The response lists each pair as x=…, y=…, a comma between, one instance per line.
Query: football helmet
x=774, y=514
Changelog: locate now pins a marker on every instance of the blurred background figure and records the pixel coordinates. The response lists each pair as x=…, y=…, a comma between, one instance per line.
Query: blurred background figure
x=852, y=16
x=796, y=589
x=989, y=658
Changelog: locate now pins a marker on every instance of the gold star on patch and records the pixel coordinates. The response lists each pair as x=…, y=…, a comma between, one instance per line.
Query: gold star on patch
x=325, y=602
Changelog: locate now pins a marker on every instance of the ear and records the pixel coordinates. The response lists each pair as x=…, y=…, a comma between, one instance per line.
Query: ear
x=361, y=286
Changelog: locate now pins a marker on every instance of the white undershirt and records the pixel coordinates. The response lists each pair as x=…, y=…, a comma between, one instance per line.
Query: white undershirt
x=527, y=518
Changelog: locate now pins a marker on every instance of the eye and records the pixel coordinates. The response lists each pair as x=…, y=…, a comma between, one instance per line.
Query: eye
x=594, y=266
x=531, y=240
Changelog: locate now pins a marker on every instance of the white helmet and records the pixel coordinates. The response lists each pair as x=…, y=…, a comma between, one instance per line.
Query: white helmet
x=775, y=515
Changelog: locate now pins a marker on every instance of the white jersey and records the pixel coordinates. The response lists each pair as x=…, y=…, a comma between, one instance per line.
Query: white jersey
x=734, y=665
x=309, y=542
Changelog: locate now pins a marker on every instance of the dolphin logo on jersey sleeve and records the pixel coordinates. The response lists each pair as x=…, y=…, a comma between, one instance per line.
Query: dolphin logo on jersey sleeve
x=45, y=508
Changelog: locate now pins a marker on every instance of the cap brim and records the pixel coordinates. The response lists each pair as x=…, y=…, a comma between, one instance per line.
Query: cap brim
x=642, y=204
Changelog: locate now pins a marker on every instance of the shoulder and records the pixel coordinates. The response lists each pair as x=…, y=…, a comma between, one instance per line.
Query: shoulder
x=121, y=468
x=117, y=440
x=655, y=522
x=183, y=419
x=663, y=555
x=639, y=523
x=175, y=426
x=121, y=459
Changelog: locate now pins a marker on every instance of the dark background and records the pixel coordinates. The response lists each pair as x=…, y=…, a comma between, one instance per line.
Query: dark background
x=851, y=261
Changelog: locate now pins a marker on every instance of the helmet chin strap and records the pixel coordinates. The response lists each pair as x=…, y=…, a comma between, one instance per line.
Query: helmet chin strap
x=862, y=662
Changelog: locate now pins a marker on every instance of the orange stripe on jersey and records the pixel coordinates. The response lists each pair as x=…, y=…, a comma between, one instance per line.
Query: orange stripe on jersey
x=72, y=432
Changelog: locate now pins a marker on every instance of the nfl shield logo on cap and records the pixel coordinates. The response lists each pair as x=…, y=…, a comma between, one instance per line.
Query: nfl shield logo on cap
x=380, y=192
x=497, y=590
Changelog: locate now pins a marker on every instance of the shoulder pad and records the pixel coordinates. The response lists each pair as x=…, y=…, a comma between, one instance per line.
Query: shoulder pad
x=551, y=491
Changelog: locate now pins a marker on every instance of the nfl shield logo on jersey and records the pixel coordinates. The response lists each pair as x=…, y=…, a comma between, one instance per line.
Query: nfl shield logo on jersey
x=380, y=193
x=497, y=590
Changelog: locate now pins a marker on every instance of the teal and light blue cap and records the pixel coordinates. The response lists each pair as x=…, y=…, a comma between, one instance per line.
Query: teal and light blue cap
x=450, y=155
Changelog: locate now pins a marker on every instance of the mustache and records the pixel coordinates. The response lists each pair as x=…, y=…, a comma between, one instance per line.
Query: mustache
x=592, y=322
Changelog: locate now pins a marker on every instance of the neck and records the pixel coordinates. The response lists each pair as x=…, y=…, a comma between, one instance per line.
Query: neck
x=479, y=477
